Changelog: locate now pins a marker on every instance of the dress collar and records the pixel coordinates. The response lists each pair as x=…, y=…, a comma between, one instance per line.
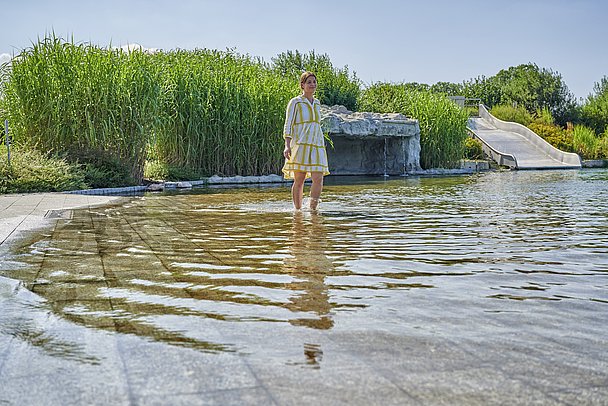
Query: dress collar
x=314, y=99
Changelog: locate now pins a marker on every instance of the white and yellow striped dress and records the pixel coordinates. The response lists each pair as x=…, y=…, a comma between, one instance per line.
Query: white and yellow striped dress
x=303, y=125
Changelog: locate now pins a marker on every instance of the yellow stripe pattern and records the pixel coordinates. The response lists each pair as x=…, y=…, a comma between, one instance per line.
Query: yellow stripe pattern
x=302, y=125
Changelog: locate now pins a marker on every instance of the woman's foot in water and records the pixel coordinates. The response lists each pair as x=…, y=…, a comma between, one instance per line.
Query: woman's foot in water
x=314, y=203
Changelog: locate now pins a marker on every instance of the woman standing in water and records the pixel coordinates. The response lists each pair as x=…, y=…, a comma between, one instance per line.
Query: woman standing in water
x=305, y=155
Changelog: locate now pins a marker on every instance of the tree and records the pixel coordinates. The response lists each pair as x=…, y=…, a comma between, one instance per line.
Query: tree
x=537, y=88
x=483, y=88
x=336, y=86
x=529, y=86
x=595, y=109
x=448, y=88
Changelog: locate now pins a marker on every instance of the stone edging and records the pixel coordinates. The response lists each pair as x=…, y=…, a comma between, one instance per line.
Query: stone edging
x=595, y=163
x=239, y=180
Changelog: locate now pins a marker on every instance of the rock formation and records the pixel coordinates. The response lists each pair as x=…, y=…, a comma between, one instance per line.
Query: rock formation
x=371, y=143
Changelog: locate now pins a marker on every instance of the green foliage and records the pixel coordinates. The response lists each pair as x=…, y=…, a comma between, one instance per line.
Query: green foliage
x=100, y=168
x=32, y=171
x=415, y=87
x=602, y=147
x=585, y=142
x=162, y=171
x=554, y=135
x=63, y=94
x=222, y=113
x=529, y=86
x=473, y=148
x=507, y=112
x=335, y=86
x=486, y=89
x=594, y=112
x=448, y=88
x=442, y=122
x=543, y=116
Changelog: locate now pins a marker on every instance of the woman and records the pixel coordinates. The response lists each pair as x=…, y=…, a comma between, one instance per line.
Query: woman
x=305, y=155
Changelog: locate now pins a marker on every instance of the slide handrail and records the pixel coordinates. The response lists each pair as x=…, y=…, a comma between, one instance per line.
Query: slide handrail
x=568, y=158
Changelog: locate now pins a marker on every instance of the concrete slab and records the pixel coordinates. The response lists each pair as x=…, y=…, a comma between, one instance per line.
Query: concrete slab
x=24, y=212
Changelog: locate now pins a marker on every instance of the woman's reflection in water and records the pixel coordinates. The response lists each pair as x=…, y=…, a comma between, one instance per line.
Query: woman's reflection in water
x=309, y=265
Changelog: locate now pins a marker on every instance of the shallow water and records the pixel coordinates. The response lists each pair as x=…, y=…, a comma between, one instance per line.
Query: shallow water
x=236, y=270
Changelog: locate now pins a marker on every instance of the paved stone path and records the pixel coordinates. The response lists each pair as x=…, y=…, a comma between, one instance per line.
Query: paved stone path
x=23, y=212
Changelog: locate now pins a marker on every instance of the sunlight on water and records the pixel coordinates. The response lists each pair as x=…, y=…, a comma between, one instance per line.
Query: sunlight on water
x=395, y=254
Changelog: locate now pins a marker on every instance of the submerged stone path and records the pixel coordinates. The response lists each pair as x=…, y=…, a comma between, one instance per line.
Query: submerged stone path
x=46, y=359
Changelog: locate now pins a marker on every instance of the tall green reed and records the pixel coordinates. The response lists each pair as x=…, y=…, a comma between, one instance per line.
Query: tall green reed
x=222, y=113
x=442, y=122
x=68, y=98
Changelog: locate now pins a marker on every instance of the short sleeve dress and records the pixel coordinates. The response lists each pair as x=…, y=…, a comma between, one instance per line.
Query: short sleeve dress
x=303, y=126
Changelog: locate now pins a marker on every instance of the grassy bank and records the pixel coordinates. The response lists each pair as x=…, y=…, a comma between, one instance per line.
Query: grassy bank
x=32, y=171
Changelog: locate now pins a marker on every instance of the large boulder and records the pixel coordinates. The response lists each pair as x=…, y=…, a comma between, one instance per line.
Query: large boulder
x=371, y=143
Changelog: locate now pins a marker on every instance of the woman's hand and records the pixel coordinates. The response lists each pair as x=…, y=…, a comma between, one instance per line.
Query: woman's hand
x=287, y=150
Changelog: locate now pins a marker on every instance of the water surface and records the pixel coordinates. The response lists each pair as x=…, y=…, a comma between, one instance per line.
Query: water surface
x=505, y=254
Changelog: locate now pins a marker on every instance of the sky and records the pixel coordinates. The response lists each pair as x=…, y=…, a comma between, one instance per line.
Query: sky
x=423, y=41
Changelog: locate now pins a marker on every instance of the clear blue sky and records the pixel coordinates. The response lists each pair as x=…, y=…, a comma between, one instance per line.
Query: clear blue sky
x=382, y=40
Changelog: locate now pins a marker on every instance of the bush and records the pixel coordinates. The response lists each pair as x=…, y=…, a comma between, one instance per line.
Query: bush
x=507, y=112
x=585, y=142
x=32, y=171
x=602, y=147
x=543, y=116
x=554, y=135
x=473, y=148
x=101, y=169
x=442, y=122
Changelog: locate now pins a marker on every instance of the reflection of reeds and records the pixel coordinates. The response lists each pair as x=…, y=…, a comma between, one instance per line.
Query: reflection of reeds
x=26, y=331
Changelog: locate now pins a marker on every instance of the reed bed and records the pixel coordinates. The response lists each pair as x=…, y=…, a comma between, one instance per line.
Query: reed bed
x=585, y=142
x=442, y=122
x=208, y=111
x=202, y=112
x=69, y=99
x=222, y=113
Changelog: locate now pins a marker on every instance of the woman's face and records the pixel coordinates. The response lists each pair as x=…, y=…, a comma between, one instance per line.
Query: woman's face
x=310, y=85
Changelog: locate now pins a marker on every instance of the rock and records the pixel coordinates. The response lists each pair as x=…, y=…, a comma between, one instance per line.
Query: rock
x=339, y=120
x=155, y=187
x=371, y=143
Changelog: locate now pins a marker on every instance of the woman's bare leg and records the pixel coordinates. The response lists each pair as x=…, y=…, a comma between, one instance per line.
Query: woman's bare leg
x=297, y=189
x=315, y=189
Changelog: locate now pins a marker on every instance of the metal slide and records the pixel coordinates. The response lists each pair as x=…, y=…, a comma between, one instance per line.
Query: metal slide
x=514, y=145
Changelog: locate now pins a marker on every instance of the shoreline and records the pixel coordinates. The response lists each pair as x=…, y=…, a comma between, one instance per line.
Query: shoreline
x=475, y=167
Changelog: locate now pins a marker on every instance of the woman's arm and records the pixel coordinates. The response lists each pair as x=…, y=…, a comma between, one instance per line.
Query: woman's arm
x=290, y=117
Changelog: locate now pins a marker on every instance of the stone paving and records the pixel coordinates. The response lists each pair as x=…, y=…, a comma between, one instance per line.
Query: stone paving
x=48, y=360
x=23, y=212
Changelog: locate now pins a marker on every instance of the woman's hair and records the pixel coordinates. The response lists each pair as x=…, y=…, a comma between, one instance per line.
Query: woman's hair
x=305, y=77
